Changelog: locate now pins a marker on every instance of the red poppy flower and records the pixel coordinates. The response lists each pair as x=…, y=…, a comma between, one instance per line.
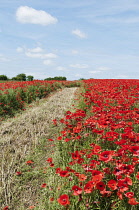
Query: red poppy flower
x=58, y=170
x=6, y=208
x=70, y=169
x=135, y=150
x=59, y=138
x=32, y=207
x=107, y=170
x=64, y=173
x=117, y=171
x=132, y=201
x=18, y=173
x=122, y=186
x=82, y=177
x=67, y=139
x=72, y=162
x=49, y=160
x=97, y=149
x=112, y=184
x=130, y=169
x=76, y=190
x=44, y=185
x=129, y=194
x=110, y=136
x=50, y=140
x=80, y=161
x=127, y=180
x=106, y=193
x=106, y=156
x=63, y=200
x=88, y=188
x=51, y=199
x=94, y=163
x=55, y=122
x=29, y=162
x=100, y=186
x=120, y=195
x=97, y=178
x=98, y=131
x=76, y=155
x=95, y=172
x=51, y=164
x=137, y=176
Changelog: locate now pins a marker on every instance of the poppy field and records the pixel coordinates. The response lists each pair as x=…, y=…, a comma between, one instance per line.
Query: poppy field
x=99, y=149
x=95, y=158
x=16, y=95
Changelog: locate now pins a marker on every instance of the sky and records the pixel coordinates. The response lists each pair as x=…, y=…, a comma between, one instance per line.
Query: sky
x=71, y=38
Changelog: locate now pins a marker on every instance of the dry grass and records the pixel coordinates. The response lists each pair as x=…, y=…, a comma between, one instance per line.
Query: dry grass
x=20, y=136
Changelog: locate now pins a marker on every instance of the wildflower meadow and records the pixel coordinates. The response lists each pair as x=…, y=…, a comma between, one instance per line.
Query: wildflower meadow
x=94, y=163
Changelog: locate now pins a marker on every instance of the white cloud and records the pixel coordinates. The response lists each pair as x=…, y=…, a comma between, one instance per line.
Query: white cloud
x=79, y=33
x=25, y=14
x=79, y=66
x=19, y=49
x=47, y=62
x=35, y=50
x=40, y=55
x=33, y=55
x=50, y=55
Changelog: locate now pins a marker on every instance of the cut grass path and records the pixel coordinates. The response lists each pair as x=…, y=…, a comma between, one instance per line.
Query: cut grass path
x=20, y=138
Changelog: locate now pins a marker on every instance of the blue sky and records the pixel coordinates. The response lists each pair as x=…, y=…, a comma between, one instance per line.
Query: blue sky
x=72, y=38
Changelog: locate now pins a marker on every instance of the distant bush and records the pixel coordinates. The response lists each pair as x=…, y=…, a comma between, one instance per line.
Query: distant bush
x=56, y=78
x=81, y=79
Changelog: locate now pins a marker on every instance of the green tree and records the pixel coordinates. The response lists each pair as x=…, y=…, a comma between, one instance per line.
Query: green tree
x=21, y=77
x=60, y=78
x=30, y=78
x=3, y=77
x=14, y=78
x=49, y=78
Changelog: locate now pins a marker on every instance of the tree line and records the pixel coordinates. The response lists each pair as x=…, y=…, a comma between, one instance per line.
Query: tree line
x=19, y=77
x=23, y=77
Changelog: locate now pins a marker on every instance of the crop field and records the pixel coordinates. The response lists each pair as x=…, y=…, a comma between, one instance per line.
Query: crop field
x=87, y=157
